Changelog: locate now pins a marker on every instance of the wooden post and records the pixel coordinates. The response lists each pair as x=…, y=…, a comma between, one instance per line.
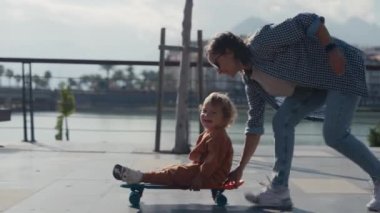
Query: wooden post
x=25, y=124
x=160, y=92
x=31, y=105
x=200, y=73
x=182, y=124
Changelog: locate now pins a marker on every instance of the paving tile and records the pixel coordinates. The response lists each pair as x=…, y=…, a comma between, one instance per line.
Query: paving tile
x=311, y=153
x=327, y=186
x=76, y=177
x=11, y=196
x=260, y=159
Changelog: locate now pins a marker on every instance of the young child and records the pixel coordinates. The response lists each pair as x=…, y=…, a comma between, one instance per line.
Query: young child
x=211, y=159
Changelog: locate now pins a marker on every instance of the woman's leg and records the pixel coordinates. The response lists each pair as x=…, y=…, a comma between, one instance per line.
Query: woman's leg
x=291, y=112
x=340, y=109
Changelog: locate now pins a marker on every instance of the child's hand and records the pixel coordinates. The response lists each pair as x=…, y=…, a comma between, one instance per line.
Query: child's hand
x=196, y=183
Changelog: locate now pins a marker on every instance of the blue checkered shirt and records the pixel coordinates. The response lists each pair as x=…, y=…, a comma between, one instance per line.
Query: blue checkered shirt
x=291, y=51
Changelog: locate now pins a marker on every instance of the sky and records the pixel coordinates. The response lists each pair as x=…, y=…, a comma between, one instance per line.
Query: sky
x=130, y=29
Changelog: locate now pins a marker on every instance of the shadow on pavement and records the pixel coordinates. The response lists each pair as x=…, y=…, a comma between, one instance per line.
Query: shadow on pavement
x=268, y=167
x=199, y=208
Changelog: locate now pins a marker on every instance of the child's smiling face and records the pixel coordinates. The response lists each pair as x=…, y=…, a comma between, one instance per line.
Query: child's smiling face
x=212, y=117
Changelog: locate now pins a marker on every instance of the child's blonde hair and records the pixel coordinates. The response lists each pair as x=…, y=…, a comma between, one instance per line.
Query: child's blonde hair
x=228, y=107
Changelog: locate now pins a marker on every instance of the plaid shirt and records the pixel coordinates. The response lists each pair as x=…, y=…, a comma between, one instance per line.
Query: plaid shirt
x=291, y=51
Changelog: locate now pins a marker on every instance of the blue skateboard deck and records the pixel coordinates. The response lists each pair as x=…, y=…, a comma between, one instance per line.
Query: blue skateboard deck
x=217, y=193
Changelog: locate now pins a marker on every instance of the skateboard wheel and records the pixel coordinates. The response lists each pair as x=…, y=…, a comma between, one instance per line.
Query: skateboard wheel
x=213, y=193
x=220, y=199
x=134, y=198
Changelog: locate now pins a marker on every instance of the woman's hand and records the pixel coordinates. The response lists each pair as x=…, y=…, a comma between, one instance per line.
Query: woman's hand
x=236, y=174
x=337, y=61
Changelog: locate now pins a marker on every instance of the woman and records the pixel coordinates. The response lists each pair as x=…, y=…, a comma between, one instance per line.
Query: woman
x=299, y=60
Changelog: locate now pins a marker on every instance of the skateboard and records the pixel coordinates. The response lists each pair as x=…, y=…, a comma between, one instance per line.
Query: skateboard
x=217, y=193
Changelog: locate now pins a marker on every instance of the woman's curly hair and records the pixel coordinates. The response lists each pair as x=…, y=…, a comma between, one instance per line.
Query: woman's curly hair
x=227, y=40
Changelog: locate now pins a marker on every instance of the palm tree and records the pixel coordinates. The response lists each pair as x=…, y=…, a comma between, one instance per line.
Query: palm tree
x=107, y=68
x=37, y=81
x=72, y=82
x=47, y=77
x=84, y=80
x=118, y=76
x=131, y=78
x=98, y=83
x=9, y=74
x=149, y=81
x=1, y=72
x=18, y=79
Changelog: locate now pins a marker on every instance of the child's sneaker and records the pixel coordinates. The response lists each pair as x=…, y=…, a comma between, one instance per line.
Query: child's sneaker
x=374, y=204
x=126, y=174
x=272, y=198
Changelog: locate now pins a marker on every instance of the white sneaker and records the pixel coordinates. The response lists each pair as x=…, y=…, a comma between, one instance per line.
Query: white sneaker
x=126, y=174
x=374, y=204
x=272, y=198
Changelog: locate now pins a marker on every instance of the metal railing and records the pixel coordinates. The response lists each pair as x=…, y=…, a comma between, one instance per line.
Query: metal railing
x=27, y=90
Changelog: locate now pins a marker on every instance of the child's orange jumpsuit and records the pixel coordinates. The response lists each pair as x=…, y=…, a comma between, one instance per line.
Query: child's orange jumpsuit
x=211, y=158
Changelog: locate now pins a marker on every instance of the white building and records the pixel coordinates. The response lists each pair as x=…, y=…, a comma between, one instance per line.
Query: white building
x=212, y=80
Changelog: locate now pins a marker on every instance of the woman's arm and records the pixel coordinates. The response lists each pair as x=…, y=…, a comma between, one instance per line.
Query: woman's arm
x=336, y=57
x=288, y=32
x=253, y=130
x=250, y=145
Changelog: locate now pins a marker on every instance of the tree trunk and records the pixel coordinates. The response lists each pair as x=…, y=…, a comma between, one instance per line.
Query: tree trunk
x=67, y=129
x=182, y=124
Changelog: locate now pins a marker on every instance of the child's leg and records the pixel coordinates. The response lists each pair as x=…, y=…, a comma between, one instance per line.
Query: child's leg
x=180, y=175
x=126, y=174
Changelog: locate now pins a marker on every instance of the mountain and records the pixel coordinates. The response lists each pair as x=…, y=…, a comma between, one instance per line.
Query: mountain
x=355, y=31
x=248, y=26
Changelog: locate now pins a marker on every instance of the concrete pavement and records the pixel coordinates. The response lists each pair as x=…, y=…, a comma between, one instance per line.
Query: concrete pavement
x=76, y=177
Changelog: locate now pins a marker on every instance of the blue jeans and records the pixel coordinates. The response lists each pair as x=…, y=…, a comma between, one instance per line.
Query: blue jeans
x=339, y=112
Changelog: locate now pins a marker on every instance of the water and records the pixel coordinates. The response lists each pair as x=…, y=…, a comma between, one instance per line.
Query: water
x=139, y=126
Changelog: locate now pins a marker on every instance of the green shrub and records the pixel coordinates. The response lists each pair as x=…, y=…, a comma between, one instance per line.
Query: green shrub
x=374, y=136
x=66, y=106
